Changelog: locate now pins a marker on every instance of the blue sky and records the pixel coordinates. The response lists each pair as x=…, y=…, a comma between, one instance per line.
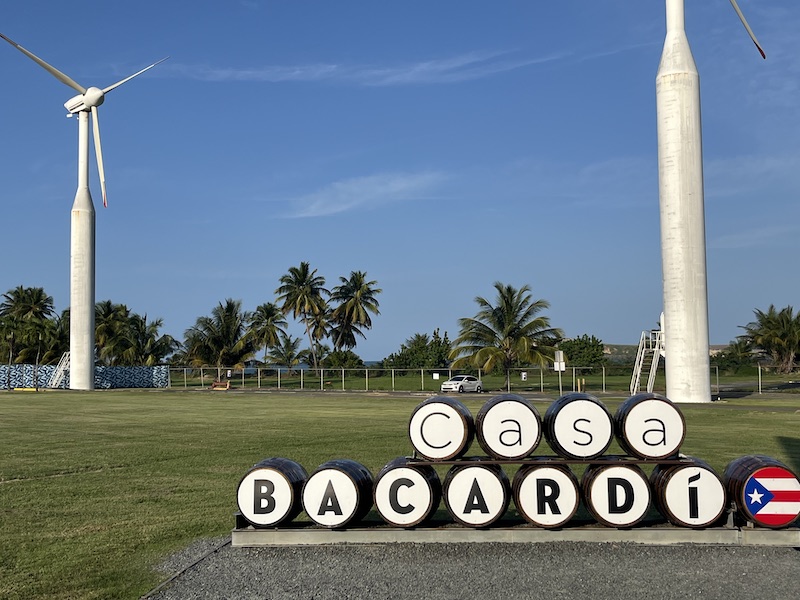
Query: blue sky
x=438, y=146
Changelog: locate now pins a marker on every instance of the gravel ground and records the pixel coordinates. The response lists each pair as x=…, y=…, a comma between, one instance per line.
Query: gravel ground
x=487, y=571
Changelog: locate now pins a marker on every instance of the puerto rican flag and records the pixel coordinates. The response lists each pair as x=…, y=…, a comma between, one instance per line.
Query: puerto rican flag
x=772, y=496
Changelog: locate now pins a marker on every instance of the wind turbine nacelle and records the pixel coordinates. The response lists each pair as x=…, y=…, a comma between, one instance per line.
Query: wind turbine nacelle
x=93, y=97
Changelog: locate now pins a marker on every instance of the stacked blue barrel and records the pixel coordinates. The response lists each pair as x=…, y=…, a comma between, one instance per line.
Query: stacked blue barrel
x=477, y=492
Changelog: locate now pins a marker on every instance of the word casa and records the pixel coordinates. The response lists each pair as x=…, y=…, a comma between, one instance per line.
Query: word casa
x=476, y=490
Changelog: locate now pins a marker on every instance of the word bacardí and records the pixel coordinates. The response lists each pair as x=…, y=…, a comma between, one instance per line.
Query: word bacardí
x=477, y=492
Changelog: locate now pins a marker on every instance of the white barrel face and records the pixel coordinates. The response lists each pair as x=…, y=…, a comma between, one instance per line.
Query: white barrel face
x=330, y=498
x=619, y=496
x=547, y=497
x=476, y=496
x=583, y=429
x=695, y=497
x=438, y=431
x=654, y=429
x=265, y=497
x=509, y=430
x=403, y=497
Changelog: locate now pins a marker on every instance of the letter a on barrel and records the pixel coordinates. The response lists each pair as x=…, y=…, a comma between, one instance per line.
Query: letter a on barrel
x=476, y=496
x=508, y=427
x=338, y=493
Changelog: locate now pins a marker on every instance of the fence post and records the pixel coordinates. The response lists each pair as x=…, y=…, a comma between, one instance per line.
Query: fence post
x=422, y=379
x=759, y=378
x=342, y=378
x=604, y=379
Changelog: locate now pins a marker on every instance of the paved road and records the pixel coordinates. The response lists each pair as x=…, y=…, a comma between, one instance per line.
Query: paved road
x=488, y=571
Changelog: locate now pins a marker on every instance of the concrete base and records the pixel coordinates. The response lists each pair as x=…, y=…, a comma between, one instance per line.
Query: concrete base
x=251, y=537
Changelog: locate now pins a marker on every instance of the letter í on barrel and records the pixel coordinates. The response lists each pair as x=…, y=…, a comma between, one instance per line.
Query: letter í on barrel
x=690, y=494
x=338, y=493
x=269, y=494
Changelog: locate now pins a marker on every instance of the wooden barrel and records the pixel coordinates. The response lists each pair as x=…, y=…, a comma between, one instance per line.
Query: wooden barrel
x=546, y=495
x=648, y=425
x=508, y=427
x=616, y=494
x=407, y=494
x=476, y=494
x=690, y=494
x=766, y=492
x=338, y=493
x=578, y=426
x=441, y=428
x=270, y=492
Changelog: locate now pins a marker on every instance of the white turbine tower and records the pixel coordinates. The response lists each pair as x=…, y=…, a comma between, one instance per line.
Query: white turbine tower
x=683, y=244
x=82, y=240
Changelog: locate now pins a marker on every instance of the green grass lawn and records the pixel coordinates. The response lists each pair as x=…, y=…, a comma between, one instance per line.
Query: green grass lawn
x=96, y=488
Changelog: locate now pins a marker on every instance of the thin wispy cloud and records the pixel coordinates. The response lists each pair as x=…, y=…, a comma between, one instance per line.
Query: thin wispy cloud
x=754, y=238
x=454, y=69
x=368, y=192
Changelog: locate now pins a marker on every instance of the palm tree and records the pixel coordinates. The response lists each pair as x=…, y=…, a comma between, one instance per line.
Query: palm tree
x=144, y=345
x=220, y=339
x=26, y=312
x=357, y=299
x=27, y=304
x=111, y=323
x=301, y=293
x=285, y=352
x=777, y=334
x=509, y=333
x=266, y=324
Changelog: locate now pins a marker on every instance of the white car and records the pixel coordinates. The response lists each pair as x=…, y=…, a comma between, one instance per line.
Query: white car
x=463, y=383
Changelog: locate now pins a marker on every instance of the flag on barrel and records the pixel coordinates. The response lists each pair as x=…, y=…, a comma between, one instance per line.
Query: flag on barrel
x=772, y=496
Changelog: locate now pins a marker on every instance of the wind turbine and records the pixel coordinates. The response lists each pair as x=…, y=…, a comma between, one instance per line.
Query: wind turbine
x=683, y=244
x=82, y=232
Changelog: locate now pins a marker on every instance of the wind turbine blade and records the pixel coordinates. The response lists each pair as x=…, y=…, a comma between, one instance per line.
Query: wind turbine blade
x=99, y=152
x=63, y=78
x=747, y=27
x=119, y=83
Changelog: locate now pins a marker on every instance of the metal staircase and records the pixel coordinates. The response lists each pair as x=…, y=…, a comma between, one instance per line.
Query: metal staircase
x=651, y=347
x=57, y=378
